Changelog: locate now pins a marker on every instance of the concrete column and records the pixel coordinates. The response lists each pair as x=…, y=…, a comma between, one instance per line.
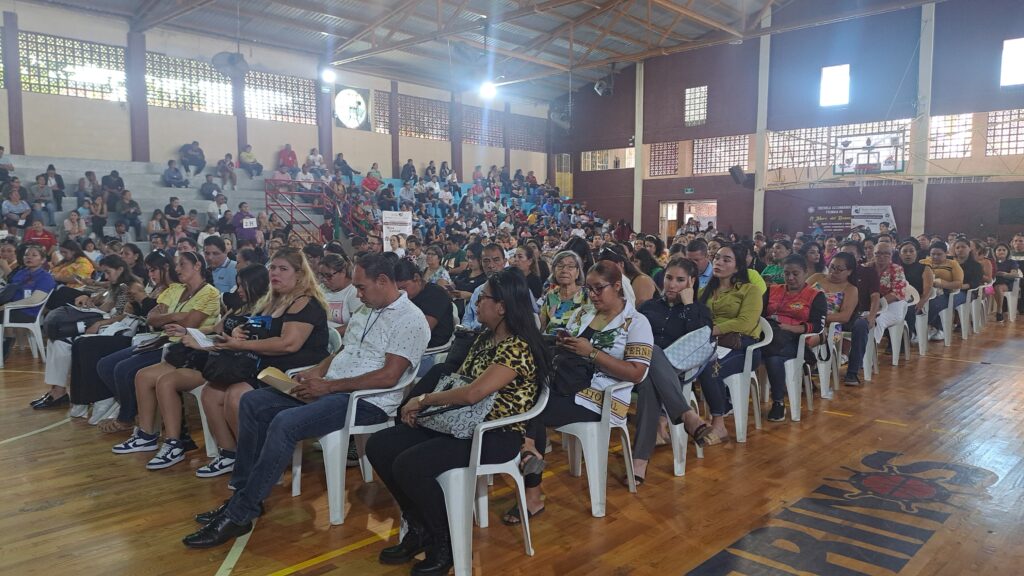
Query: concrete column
x=760, y=166
x=455, y=135
x=638, y=148
x=12, y=80
x=396, y=162
x=138, y=105
x=921, y=125
x=506, y=133
x=238, y=107
x=325, y=120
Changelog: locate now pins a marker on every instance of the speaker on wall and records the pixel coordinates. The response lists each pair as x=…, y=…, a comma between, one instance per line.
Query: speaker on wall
x=741, y=177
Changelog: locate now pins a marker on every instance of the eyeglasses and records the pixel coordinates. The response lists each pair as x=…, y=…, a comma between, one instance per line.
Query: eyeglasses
x=597, y=289
x=569, y=266
x=836, y=269
x=328, y=275
x=489, y=297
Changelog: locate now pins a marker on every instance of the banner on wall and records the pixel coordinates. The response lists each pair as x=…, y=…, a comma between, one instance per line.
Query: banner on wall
x=351, y=108
x=395, y=223
x=841, y=219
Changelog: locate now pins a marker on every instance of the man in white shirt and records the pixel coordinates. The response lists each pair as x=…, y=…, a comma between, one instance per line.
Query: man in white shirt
x=339, y=291
x=381, y=348
x=305, y=178
x=215, y=210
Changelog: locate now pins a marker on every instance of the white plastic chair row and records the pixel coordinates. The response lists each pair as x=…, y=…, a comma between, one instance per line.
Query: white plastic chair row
x=979, y=308
x=466, y=488
x=35, y=340
x=1012, y=296
x=899, y=333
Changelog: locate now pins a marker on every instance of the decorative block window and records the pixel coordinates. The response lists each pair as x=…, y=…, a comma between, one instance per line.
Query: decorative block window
x=186, y=85
x=381, y=112
x=280, y=98
x=717, y=155
x=1005, y=133
x=614, y=159
x=483, y=126
x=799, y=148
x=422, y=117
x=528, y=133
x=695, y=106
x=664, y=159
x=66, y=67
x=563, y=163
x=950, y=136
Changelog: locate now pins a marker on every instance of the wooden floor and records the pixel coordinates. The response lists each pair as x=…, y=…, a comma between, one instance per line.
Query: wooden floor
x=817, y=496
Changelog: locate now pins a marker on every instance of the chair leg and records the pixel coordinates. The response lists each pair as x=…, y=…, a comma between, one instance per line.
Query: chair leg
x=208, y=439
x=480, y=510
x=595, y=457
x=364, y=463
x=793, y=387
x=297, y=470
x=755, y=387
x=896, y=341
x=521, y=492
x=458, y=487
x=574, y=454
x=335, y=447
x=40, y=345
x=627, y=454
x=678, y=438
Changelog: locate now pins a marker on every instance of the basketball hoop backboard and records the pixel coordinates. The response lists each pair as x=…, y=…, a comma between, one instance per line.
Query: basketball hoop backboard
x=868, y=153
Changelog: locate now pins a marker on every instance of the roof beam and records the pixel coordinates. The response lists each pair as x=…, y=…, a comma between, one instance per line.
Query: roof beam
x=721, y=38
x=455, y=30
x=283, y=20
x=372, y=26
x=698, y=17
x=183, y=7
x=512, y=54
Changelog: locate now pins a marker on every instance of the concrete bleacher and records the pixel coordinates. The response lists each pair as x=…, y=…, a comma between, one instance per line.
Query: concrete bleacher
x=143, y=179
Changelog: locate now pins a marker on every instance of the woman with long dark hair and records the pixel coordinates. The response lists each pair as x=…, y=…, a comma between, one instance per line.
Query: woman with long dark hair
x=812, y=253
x=735, y=305
x=509, y=359
x=646, y=263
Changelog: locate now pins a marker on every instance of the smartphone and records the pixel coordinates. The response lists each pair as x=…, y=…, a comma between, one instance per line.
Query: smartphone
x=562, y=333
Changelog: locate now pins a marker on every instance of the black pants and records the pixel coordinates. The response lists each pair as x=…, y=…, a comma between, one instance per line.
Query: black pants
x=86, y=386
x=63, y=295
x=409, y=460
x=560, y=410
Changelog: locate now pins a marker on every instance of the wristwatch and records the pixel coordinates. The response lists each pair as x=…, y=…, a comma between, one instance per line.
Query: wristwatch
x=421, y=398
x=593, y=355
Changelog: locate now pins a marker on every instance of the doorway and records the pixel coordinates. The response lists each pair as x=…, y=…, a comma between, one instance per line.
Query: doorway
x=703, y=211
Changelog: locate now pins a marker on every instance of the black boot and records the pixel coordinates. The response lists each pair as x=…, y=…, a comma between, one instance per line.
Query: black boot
x=415, y=541
x=217, y=532
x=439, y=559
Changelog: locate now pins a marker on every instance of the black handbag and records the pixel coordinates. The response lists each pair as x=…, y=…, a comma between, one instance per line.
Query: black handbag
x=228, y=366
x=570, y=373
x=181, y=356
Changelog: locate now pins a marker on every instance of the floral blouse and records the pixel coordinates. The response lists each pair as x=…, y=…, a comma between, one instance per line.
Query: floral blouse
x=892, y=280
x=558, y=311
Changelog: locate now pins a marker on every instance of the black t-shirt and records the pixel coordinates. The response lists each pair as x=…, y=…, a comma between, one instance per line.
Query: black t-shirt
x=974, y=273
x=314, y=349
x=434, y=301
x=534, y=283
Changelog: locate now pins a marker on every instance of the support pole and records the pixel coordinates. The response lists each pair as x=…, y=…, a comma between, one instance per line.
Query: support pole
x=12, y=80
x=920, y=127
x=638, y=149
x=138, y=105
x=761, y=136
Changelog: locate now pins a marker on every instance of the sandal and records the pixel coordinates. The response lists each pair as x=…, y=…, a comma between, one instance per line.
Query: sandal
x=701, y=435
x=514, y=517
x=712, y=439
x=638, y=480
x=112, y=426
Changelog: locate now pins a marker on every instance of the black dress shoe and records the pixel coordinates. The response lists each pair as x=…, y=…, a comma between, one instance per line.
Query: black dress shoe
x=40, y=400
x=439, y=560
x=217, y=532
x=413, y=543
x=211, y=515
x=51, y=402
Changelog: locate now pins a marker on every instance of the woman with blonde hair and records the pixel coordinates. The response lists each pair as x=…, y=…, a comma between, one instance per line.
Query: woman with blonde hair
x=296, y=312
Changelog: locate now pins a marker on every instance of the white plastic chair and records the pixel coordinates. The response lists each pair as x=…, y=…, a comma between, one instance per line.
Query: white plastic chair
x=209, y=442
x=1011, y=297
x=740, y=387
x=899, y=333
x=589, y=441
x=946, y=317
x=964, y=312
x=335, y=448
x=795, y=377
x=465, y=487
x=921, y=324
x=828, y=371
x=679, y=437
x=35, y=341
x=979, y=309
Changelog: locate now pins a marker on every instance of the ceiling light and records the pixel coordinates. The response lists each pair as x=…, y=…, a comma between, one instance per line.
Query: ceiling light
x=488, y=90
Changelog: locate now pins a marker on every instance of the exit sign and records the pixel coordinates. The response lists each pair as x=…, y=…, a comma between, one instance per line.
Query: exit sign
x=687, y=190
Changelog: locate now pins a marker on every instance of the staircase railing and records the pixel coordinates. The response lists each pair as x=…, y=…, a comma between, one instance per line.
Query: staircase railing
x=295, y=205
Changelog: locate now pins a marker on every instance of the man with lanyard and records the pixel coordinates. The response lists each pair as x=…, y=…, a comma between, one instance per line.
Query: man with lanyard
x=221, y=267
x=697, y=252
x=493, y=261
x=244, y=223
x=382, y=345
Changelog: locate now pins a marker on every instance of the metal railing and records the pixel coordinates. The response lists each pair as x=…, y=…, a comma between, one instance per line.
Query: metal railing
x=296, y=205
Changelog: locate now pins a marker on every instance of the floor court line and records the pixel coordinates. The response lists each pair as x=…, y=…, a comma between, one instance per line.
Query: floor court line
x=8, y=370
x=235, y=553
x=34, y=432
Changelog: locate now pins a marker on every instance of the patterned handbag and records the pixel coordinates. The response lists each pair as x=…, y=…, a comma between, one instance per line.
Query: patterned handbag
x=457, y=421
x=692, y=350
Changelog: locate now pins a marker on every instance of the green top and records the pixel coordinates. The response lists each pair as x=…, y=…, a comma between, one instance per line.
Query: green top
x=737, y=309
x=772, y=274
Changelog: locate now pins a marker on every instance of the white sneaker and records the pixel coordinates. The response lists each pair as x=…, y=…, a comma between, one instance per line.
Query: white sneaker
x=135, y=444
x=938, y=337
x=79, y=411
x=102, y=410
x=217, y=467
x=171, y=452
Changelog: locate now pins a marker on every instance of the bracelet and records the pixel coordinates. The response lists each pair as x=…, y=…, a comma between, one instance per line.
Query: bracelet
x=593, y=355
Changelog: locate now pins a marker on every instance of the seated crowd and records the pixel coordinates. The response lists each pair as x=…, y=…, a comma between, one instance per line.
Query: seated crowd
x=479, y=309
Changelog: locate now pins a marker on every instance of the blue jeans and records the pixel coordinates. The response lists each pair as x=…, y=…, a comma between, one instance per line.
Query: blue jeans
x=118, y=370
x=270, y=424
x=858, y=345
x=712, y=382
x=775, y=366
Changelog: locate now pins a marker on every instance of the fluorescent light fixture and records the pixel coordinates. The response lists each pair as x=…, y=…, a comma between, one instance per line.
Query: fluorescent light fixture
x=1013, y=63
x=835, y=85
x=488, y=90
x=328, y=76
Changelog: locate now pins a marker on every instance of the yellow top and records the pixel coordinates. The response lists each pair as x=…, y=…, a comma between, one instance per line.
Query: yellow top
x=206, y=300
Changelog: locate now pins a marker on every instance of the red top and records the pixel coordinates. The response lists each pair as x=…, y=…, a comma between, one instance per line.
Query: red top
x=44, y=238
x=286, y=159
